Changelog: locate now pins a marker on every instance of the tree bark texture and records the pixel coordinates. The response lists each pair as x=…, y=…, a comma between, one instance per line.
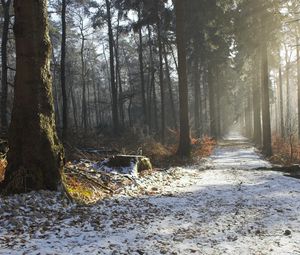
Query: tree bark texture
x=161, y=79
x=281, y=101
x=267, y=140
x=184, y=148
x=114, y=89
x=298, y=83
x=141, y=60
x=212, y=107
x=35, y=156
x=63, y=71
x=4, y=93
x=256, y=92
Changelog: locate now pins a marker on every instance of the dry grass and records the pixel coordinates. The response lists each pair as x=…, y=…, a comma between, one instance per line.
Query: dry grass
x=161, y=155
x=3, y=164
x=81, y=191
x=285, y=152
x=204, y=147
x=3, y=161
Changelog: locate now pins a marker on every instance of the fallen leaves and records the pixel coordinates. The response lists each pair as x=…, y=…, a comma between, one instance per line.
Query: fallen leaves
x=3, y=164
x=204, y=147
x=190, y=211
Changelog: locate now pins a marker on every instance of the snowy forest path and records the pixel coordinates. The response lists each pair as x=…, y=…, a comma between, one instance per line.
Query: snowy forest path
x=236, y=152
x=220, y=206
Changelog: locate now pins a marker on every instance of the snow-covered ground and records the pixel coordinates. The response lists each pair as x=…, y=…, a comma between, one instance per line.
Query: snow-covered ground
x=221, y=207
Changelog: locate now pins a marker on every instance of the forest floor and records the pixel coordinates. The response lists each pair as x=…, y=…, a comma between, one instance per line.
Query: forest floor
x=219, y=206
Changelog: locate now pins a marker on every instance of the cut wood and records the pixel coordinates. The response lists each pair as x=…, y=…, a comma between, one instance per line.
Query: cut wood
x=126, y=164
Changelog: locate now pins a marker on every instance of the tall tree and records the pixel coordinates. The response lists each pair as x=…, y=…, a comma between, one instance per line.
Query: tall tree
x=84, y=102
x=114, y=89
x=161, y=74
x=169, y=82
x=4, y=81
x=196, y=85
x=35, y=157
x=256, y=92
x=141, y=60
x=63, y=69
x=281, y=99
x=298, y=79
x=212, y=104
x=266, y=119
x=184, y=142
x=288, y=88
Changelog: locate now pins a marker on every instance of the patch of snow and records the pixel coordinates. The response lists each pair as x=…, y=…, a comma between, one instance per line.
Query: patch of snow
x=130, y=170
x=226, y=209
x=235, y=136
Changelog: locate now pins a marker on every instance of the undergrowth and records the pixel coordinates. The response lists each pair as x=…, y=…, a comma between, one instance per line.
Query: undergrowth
x=3, y=164
x=203, y=147
x=160, y=155
x=79, y=191
x=130, y=143
x=3, y=161
x=286, y=152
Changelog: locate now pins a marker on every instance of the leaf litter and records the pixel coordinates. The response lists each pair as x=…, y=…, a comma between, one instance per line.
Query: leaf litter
x=221, y=206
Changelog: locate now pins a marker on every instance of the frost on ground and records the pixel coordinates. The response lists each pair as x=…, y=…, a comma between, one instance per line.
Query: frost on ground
x=221, y=207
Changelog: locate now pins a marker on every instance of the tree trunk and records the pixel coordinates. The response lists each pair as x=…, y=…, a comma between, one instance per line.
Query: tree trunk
x=55, y=94
x=184, y=148
x=152, y=90
x=161, y=77
x=168, y=77
x=88, y=108
x=201, y=99
x=173, y=55
x=196, y=85
x=217, y=105
x=96, y=99
x=267, y=140
x=74, y=106
x=288, y=93
x=206, y=101
x=114, y=90
x=281, y=102
x=298, y=81
x=118, y=75
x=248, y=120
x=35, y=156
x=155, y=107
x=83, y=83
x=144, y=106
x=63, y=72
x=256, y=92
x=4, y=92
x=211, y=95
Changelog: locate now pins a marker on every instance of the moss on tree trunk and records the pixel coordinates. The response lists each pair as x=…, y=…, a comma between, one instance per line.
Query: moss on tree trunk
x=35, y=156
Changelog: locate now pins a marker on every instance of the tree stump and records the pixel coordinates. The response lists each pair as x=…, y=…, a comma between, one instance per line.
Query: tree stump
x=126, y=164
